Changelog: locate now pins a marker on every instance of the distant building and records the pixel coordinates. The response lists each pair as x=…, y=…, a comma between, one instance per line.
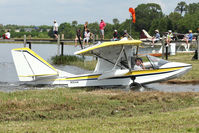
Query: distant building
x=7, y=30
x=17, y=30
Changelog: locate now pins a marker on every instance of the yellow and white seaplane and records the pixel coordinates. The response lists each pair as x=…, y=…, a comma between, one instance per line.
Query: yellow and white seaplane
x=116, y=66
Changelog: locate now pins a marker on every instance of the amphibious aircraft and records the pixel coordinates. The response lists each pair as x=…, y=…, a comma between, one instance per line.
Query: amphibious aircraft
x=115, y=67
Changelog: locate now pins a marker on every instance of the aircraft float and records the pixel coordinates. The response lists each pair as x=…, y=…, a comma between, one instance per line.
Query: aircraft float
x=115, y=67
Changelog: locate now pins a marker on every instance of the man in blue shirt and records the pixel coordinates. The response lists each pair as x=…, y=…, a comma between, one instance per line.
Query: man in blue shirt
x=156, y=37
x=188, y=39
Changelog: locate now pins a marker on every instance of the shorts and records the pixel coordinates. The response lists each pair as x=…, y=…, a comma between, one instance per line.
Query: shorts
x=86, y=39
x=102, y=32
x=55, y=32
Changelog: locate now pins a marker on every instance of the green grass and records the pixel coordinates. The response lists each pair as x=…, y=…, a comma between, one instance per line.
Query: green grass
x=74, y=61
x=87, y=110
x=193, y=74
x=66, y=59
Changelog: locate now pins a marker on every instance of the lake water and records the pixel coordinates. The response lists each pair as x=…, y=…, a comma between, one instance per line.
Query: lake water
x=9, y=80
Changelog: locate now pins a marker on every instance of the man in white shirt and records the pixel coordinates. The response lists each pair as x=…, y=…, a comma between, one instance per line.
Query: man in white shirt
x=55, y=29
x=139, y=64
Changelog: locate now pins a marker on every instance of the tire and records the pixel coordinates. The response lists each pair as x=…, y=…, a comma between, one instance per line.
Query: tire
x=135, y=86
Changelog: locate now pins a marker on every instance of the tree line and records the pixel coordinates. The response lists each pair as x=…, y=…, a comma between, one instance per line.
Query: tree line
x=148, y=16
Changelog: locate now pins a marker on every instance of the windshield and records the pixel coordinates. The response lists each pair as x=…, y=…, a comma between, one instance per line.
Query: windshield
x=156, y=62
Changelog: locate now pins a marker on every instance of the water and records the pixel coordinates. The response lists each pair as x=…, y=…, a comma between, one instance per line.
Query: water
x=9, y=80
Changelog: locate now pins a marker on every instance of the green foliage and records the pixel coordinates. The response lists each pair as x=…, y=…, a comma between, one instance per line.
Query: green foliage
x=181, y=7
x=66, y=59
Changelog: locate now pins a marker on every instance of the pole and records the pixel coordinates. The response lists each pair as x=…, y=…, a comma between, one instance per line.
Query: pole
x=167, y=47
x=24, y=41
x=58, y=45
x=130, y=24
x=62, y=48
x=163, y=44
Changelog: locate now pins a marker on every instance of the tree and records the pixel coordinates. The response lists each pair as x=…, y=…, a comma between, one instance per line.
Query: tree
x=175, y=17
x=74, y=23
x=145, y=14
x=181, y=7
x=193, y=8
x=116, y=21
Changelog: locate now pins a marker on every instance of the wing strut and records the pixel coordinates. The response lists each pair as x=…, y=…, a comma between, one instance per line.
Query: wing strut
x=107, y=60
x=122, y=49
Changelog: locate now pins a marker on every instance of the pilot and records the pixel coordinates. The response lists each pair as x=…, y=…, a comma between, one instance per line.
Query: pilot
x=139, y=64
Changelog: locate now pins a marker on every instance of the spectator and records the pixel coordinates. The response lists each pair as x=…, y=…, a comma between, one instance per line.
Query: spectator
x=189, y=37
x=85, y=28
x=169, y=37
x=6, y=35
x=156, y=37
x=55, y=29
x=115, y=36
x=86, y=37
x=102, y=26
x=78, y=36
x=125, y=36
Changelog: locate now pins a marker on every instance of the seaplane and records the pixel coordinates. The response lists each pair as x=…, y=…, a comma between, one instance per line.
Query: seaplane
x=115, y=66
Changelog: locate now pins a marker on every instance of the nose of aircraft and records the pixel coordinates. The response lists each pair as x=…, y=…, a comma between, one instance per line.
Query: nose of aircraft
x=177, y=64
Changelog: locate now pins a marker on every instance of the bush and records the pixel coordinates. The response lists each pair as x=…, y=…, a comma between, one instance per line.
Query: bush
x=66, y=59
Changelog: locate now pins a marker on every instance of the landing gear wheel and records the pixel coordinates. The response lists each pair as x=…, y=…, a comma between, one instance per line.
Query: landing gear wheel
x=135, y=86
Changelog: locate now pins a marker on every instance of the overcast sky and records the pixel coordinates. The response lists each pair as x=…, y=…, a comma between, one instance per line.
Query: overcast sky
x=43, y=12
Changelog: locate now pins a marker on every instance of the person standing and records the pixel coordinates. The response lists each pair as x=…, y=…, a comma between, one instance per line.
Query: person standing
x=102, y=26
x=85, y=28
x=86, y=37
x=169, y=37
x=55, y=29
x=78, y=37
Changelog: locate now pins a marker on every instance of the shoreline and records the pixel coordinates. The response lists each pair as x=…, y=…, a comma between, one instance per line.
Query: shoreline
x=176, y=81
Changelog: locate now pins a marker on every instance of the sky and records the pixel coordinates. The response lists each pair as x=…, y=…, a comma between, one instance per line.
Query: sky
x=43, y=12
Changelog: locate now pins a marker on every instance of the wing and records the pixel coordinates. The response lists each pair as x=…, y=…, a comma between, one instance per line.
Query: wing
x=100, y=47
x=112, y=55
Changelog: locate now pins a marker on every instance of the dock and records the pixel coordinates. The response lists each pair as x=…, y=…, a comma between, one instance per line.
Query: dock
x=61, y=42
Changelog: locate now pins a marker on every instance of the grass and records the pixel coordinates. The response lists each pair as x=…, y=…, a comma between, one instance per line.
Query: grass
x=87, y=110
x=193, y=74
x=74, y=61
x=66, y=59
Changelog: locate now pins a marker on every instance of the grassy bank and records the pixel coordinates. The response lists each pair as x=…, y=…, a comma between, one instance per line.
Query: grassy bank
x=77, y=110
x=193, y=74
x=74, y=61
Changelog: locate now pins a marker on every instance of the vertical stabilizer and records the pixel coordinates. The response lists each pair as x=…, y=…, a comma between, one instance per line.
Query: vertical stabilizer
x=30, y=66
